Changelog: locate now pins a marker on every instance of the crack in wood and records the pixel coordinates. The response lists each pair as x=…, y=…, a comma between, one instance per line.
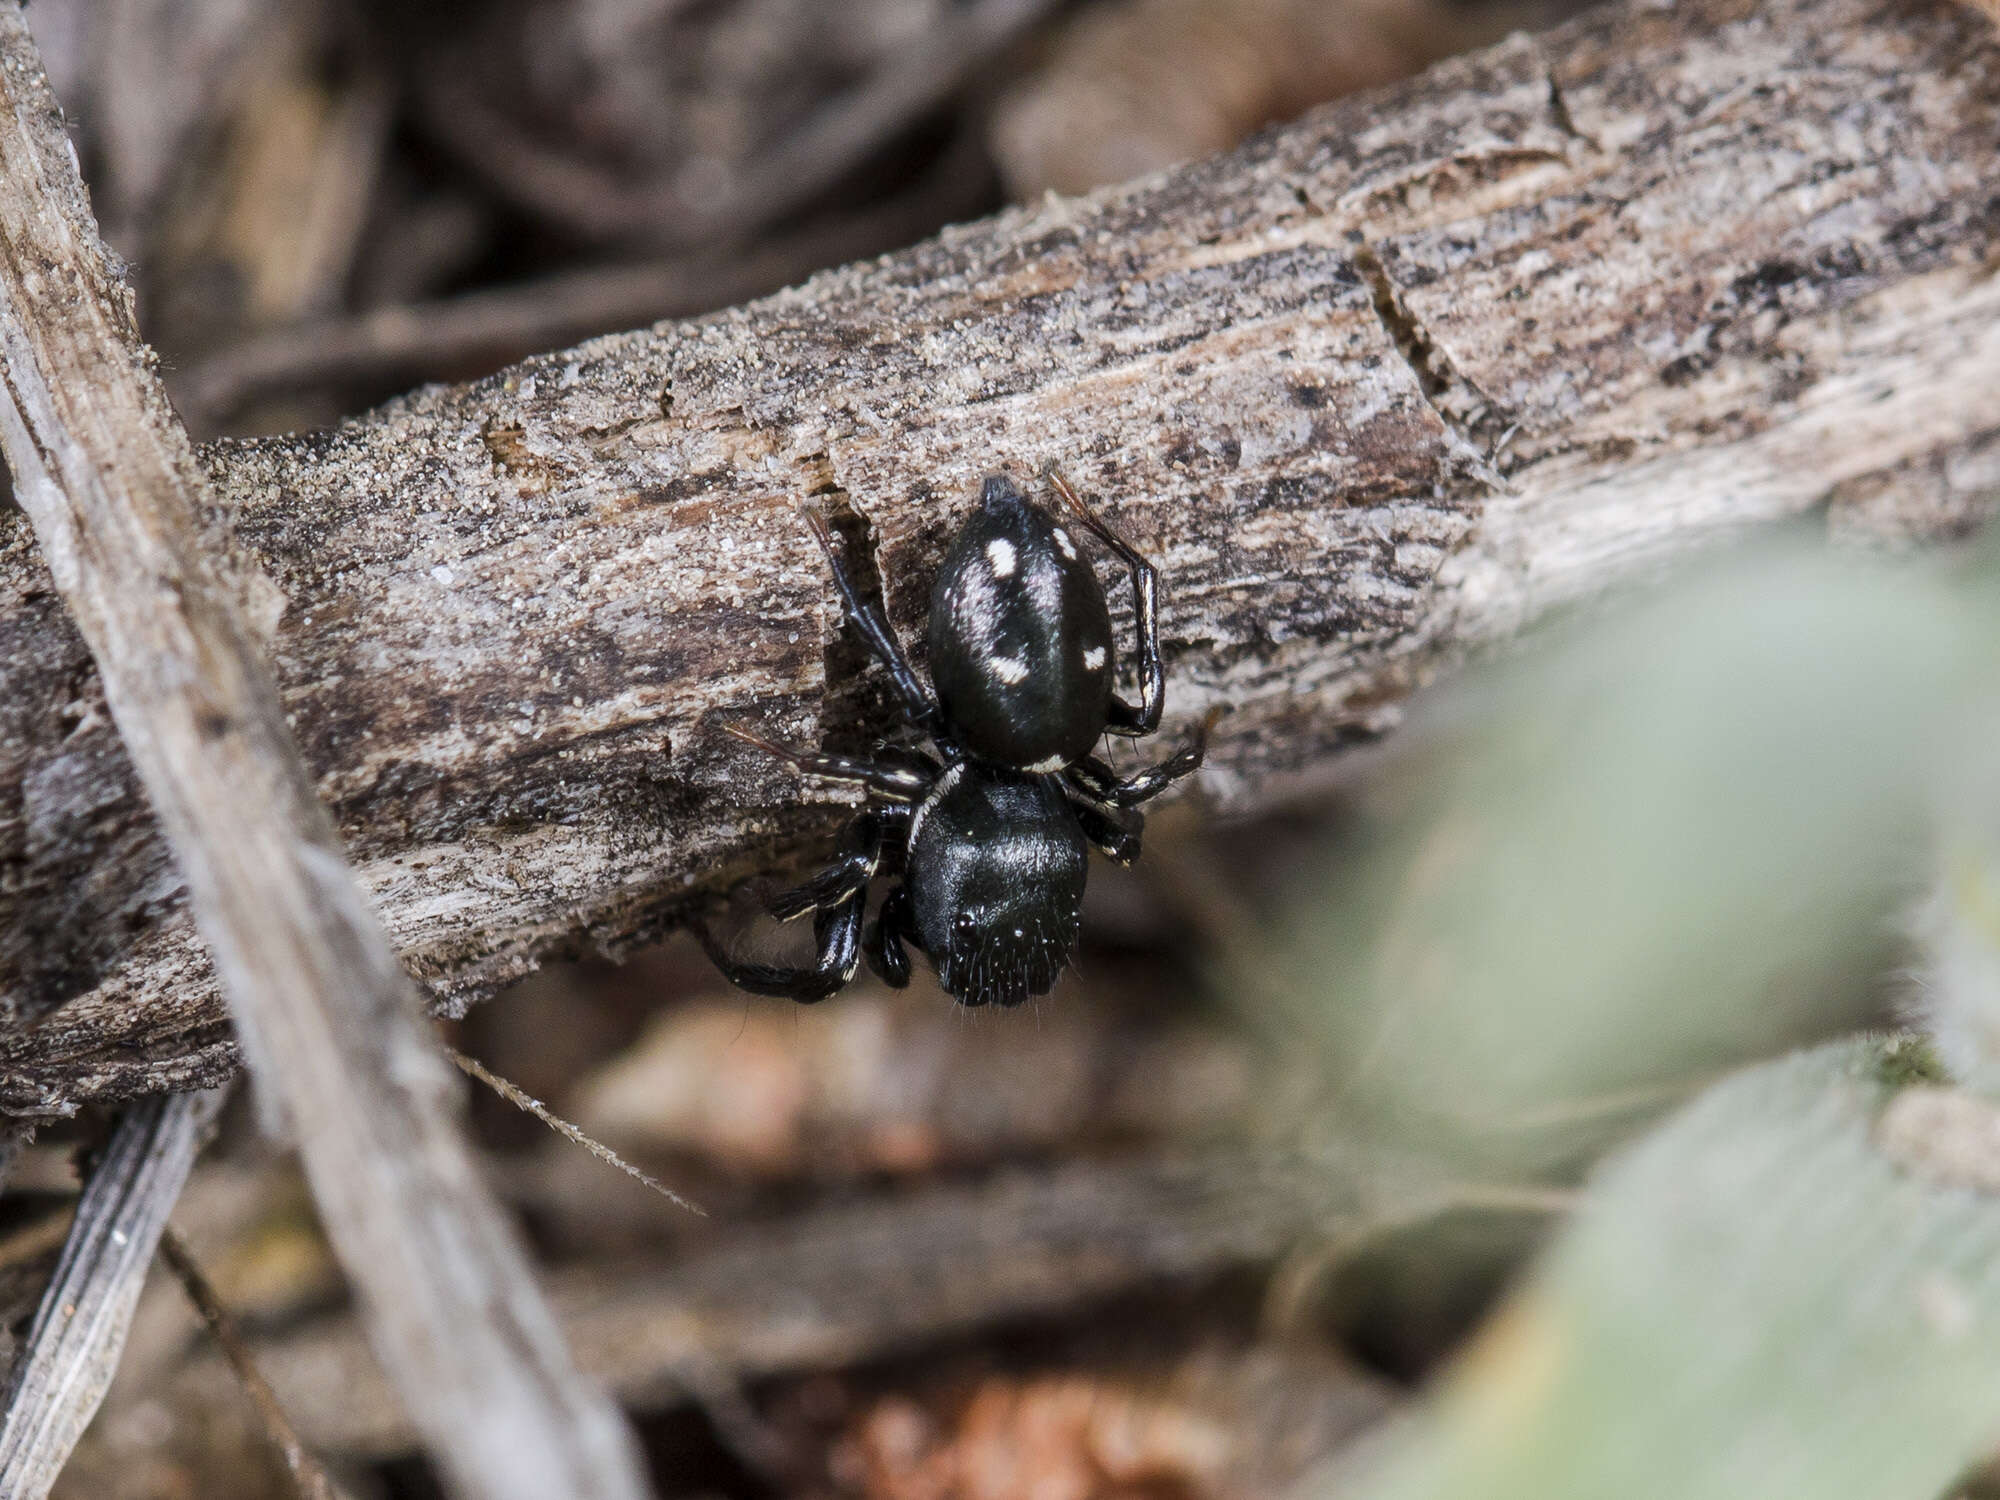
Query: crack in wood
x=1444, y=390
x=1564, y=121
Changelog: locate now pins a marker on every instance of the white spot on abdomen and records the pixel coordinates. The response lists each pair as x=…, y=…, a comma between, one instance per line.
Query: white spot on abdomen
x=1063, y=541
x=1094, y=658
x=1043, y=767
x=1009, y=669
x=1000, y=553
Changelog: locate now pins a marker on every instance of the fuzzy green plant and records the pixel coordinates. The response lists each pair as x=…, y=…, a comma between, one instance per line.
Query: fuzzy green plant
x=1637, y=869
x=1681, y=837
x=1780, y=1292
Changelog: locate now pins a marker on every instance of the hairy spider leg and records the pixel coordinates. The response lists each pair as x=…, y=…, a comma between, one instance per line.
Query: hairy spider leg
x=1100, y=783
x=1115, y=840
x=854, y=864
x=1133, y=723
x=892, y=782
x=837, y=924
x=918, y=703
x=883, y=944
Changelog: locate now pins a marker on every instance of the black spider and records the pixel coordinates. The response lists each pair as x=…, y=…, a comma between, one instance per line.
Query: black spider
x=989, y=836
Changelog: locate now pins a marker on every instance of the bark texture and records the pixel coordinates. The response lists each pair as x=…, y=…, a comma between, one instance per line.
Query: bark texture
x=1379, y=388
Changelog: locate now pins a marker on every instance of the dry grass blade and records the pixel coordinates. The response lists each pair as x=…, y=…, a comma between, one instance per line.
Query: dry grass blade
x=105, y=473
x=73, y=1346
x=307, y=1475
x=521, y=1099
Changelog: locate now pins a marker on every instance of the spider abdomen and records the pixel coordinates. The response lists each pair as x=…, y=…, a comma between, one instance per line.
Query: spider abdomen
x=1020, y=638
x=996, y=870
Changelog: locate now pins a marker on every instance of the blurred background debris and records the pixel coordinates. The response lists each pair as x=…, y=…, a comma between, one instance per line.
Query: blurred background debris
x=1133, y=86
x=1584, y=889
x=327, y=201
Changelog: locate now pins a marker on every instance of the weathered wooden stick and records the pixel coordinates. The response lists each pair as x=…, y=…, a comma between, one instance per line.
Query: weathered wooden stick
x=850, y=1283
x=1380, y=388
x=329, y=1020
x=72, y=1349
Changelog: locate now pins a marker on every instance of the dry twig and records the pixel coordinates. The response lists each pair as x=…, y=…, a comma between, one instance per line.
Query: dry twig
x=846, y=1284
x=503, y=322
x=72, y=1348
x=523, y=1100
x=312, y=1480
x=809, y=159
x=1380, y=389
x=14, y=1136
x=107, y=476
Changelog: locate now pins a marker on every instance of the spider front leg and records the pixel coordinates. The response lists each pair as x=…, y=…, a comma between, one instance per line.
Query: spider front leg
x=838, y=899
x=837, y=935
x=1133, y=723
x=883, y=945
x=1115, y=838
x=1098, y=782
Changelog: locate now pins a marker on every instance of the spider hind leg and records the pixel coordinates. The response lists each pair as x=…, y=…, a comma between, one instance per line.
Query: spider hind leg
x=1133, y=723
x=868, y=619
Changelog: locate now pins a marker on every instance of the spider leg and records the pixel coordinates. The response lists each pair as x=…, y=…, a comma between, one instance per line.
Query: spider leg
x=895, y=783
x=859, y=857
x=1098, y=782
x=1092, y=779
x=1125, y=719
x=876, y=631
x=1116, y=838
x=836, y=930
x=838, y=898
x=883, y=943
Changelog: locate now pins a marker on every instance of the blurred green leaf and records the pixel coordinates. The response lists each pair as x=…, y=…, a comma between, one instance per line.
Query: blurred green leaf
x=1679, y=839
x=1763, y=1299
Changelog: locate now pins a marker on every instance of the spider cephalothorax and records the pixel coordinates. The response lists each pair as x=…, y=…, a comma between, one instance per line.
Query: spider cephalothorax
x=989, y=835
